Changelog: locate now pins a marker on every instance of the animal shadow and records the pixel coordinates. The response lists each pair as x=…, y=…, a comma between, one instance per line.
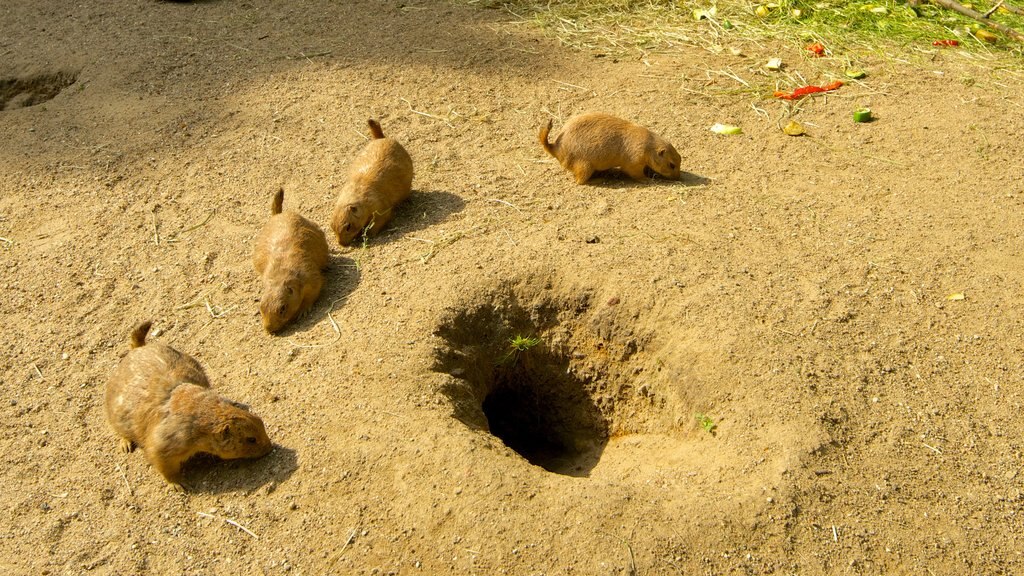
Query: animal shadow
x=340, y=279
x=211, y=475
x=615, y=178
x=421, y=210
x=691, y=179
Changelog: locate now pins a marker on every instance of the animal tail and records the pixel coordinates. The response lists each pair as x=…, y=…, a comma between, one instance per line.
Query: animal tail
x=375, y=128
x=278, y=203
x=139, y=334
x=544, y=130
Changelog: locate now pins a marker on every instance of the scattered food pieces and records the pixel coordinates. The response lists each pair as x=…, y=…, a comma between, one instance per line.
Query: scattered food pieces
x=794, y=128
x=855, y=74
x=797, y=13
x=774, y=64
x=807, y=90
x=861, y=115
x=956, y=296
x=726, y=129
x=986, y=36
x=818, y=49
x=949, y=43
x=761, y=11
x=736, y=51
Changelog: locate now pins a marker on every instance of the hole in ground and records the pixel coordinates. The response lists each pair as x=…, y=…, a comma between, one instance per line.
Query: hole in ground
x=32, y=90
x=558, y=402
x=542, y=412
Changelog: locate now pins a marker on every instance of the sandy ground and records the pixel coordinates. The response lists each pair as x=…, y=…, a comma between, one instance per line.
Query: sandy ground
x=794, y=291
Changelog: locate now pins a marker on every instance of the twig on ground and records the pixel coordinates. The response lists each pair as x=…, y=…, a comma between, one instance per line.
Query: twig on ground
x=7, y=241
x=932, y=448
x=217, y=311
x=958, y=7
x=198, y=300
x=572, y=85
x=230, y=521
x=156, y=227
x=993, y=9
x=351, y=537
x=445, y=240
x=632, y=560
x=307, y=57
x=125, y=478
x=334, y=326
x=509, y=204
x=1013, y=9
x=427, y=115
x=205, y=221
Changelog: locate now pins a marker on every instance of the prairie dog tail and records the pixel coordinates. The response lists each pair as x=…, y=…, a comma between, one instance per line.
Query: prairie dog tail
x=375, y=128
x=278, y=203
x=139, y=334
x=544, y=130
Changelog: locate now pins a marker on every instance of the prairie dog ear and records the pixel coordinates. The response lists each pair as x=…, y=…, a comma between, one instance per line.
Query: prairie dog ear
x=352, y=209
x=223, y=432
x=661, y=152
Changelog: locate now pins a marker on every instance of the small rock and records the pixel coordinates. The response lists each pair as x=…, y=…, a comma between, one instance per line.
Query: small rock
x=613, y=301
x=593, y=240
x=458, y=372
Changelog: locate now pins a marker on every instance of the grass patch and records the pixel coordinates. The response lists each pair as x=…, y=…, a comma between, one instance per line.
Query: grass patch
x=621, y=27
x=706, y=424
x=518, y=345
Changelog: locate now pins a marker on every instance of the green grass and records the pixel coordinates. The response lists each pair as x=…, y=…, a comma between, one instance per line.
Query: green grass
x=706, y=423
x=523, y=343
x=519, y=345
x=645, y=26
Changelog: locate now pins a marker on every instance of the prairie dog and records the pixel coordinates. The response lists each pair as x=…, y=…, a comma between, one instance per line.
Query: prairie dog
x=379, y=179
x=290, y=255
x=160, y=399
x=593, y=142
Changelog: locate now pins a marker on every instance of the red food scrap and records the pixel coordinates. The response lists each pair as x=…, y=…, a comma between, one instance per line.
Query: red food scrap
x=805, y=90
x=946, y=43
x=817, y=49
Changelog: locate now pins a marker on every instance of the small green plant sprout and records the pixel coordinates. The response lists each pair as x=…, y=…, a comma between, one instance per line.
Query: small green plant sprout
x=366, y=234
x=706, y=423
x=520, y=344
x=523, y=343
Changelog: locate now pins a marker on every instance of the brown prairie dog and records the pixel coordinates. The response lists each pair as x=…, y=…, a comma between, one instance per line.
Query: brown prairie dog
x=160, y=399
x=379, y=179
x=290, y=255
x=594, y=142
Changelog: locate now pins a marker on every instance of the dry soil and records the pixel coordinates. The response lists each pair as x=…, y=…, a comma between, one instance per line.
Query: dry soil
x=843, y=309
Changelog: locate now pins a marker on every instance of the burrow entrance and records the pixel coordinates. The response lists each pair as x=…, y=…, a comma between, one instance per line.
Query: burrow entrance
x=543, y=412
x=32, y=90
x=555, y=401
